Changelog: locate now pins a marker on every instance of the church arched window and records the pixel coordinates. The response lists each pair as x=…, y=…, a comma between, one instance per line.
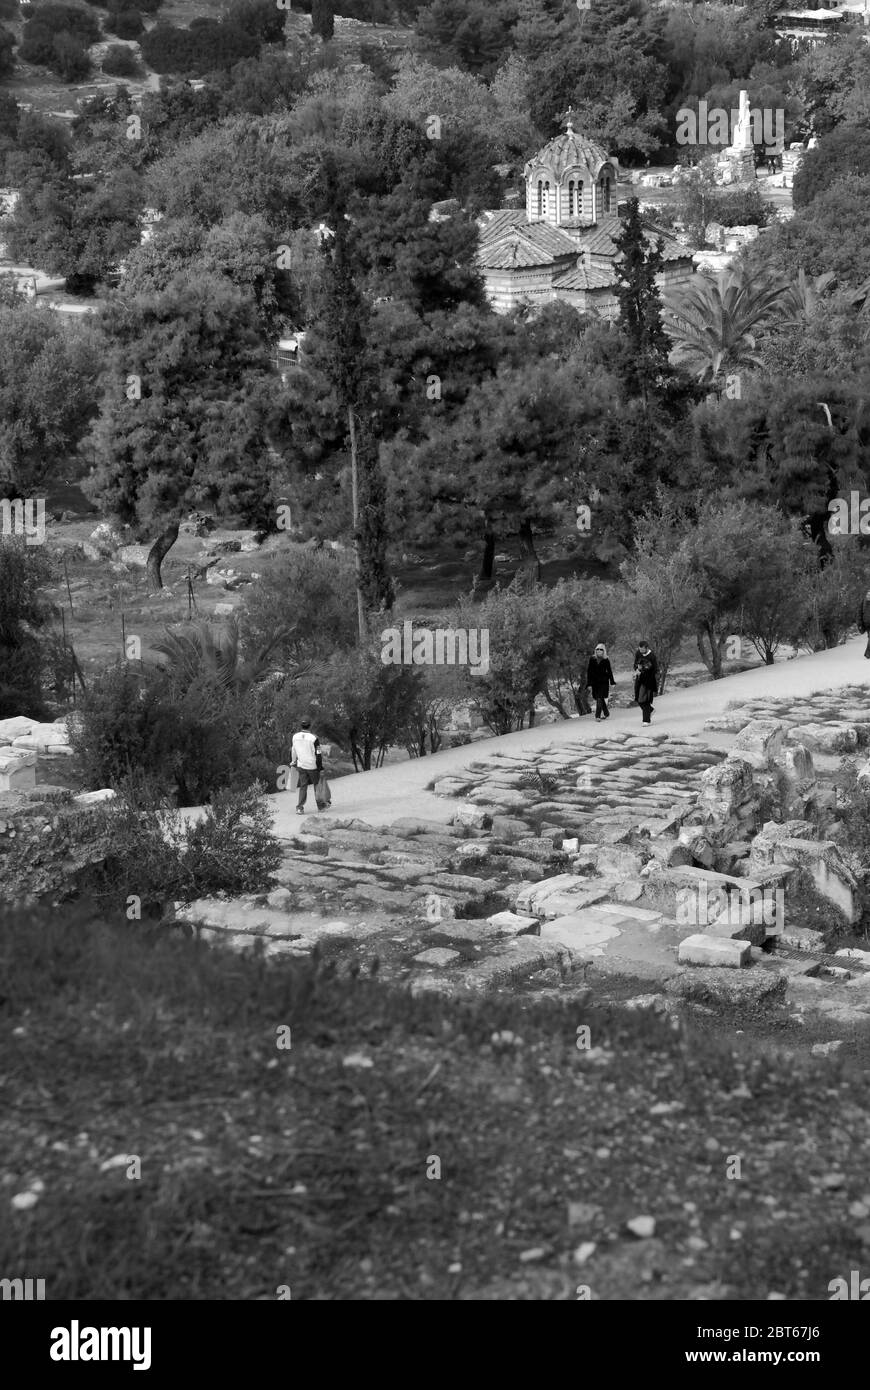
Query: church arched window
x=605, y=195
x=571, y=198
x=547, y=198
x=540, y=198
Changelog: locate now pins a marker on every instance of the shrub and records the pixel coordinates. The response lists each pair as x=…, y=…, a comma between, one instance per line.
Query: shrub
x=70, y=19
x=126, y=24
x=361, y=703
x=193, y=52
x=7, y=52
x=189, y=741
x=520, y=656
x=70, y=60
x=37, y=44
x=109, y=852
x=120, y=61
x=831, y=595
x=23, y=611
x=304, y=604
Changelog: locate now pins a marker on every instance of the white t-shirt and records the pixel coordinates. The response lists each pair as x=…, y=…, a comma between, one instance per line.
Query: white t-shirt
x=305, y=748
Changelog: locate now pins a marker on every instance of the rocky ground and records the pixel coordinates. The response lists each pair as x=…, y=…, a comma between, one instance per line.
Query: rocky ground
x=568, y=868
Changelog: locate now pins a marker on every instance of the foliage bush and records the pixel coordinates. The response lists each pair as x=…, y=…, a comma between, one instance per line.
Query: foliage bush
x=70, y=61
x=360, y=703
x=7, y=52
x=304, y=603
x=72, y=19
x=137, y=846
x=120, y=61
x=126, y=24
x=194, y=52
x=24, y=570
x=831, y=596
x=191, y=739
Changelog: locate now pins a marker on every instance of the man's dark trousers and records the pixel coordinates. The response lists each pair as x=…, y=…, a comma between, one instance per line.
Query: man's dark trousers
x=308, y=777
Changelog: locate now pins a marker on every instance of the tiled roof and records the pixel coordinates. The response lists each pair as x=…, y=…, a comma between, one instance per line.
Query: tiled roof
x=567, y=152
x=512, y=251
x=601, y=241
x=531, y=244
x=580, y=277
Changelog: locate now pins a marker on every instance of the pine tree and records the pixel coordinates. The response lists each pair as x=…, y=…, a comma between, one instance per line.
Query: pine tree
x=343, y=321
x=323, y=19
x=645, y=361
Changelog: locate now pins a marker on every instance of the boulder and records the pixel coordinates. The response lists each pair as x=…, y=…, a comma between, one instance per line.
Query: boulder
x=17, y=770
x=700, y=846
x=451, y=786
x=105, y=540
x=724, y=788
x=834, y=737
x=475, y=817
x=15, y=727
x=562, y=894
x=713, y=950
x=94, y=798
x=822, y=859
x=761, y=736
x=514, y=924
x=134, y=555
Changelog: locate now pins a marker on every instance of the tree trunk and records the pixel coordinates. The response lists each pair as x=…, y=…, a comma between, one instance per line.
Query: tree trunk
x=530, y=559
x=488, y=558
x=157, y=554
x=354, y=475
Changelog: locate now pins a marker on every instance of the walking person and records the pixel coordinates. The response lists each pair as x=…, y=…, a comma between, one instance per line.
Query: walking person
x=307, y=758
x=646, y=679
x=599, y=679
x=864, y=620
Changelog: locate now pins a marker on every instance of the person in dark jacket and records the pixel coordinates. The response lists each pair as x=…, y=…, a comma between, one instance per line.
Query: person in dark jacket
x=864, y=620
x=646, y=679
x=599, y=679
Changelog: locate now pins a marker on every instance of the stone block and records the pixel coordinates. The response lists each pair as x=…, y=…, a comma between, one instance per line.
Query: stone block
x=17, y=770
x=470, y=852
x=713, y=950
x=451, y=786
x=583, y=932
x=437, y=955
x=565, y=893
x=762, y=736
x=830, y=873
x=15, y=727
x=802, y=939
x=475, y=817
x=94, y=798
x=618, y=861
x=515, y=961
x=834, y=737
x=514, y=924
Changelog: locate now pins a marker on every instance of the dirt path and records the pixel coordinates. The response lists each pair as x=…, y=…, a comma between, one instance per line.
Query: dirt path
x=381, y=796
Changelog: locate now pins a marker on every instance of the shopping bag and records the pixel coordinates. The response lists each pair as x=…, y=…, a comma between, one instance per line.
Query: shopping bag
x=294, y=778
x=324, y=795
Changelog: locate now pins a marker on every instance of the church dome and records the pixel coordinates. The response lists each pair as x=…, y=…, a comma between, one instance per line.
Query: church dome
x=569, y=151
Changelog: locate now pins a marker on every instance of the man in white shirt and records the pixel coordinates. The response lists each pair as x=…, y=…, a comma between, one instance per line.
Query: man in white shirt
x=306, y=758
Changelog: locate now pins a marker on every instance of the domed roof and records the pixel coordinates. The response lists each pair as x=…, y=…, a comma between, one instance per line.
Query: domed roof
x=567, y=152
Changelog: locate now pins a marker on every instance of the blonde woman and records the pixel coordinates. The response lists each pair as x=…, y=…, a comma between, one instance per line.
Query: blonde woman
x=599, y=679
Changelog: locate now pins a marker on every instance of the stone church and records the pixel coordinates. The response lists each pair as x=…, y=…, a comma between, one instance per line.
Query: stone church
x=561, y=246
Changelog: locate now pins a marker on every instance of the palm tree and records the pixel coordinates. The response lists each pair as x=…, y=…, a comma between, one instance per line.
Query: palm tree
x=804, y=294
x=209, y=652
x=715, y=323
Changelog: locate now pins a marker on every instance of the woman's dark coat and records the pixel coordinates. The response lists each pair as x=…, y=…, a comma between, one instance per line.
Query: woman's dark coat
x=599, y=677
